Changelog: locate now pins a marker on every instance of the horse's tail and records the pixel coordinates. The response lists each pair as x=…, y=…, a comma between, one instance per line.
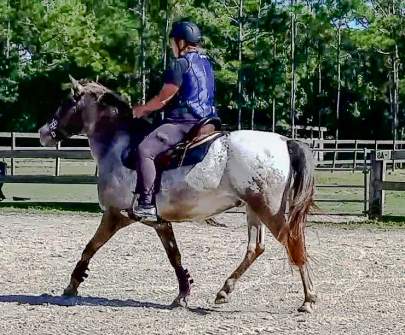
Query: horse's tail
x=301, y=199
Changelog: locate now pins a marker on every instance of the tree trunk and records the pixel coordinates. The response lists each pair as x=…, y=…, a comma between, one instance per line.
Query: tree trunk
x=143, y=67
x=273, y=100
x=273, y=126
x=252, y=120
x=391, y=100
x=8, y=33
x=293, y=87
x=396, y=91
x=164, y=47
x=166, y=32
x=338, y=82
x=319, y=93
x=240, y=37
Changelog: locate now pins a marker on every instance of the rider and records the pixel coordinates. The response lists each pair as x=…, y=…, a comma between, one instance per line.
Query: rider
x=187, y=95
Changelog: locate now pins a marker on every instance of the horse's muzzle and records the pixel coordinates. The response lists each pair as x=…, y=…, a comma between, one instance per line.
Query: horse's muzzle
x=45, y=136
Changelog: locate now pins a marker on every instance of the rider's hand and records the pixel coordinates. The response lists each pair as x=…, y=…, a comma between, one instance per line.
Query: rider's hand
x=138, y=111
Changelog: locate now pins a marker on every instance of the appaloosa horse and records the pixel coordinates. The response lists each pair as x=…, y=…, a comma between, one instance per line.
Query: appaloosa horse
x=265, y=171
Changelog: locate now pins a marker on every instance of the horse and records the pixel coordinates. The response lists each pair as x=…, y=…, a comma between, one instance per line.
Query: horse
x=266, y=172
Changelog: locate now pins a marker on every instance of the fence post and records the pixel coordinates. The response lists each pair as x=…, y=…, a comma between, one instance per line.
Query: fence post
x=365, y=172
x=334, y=156
x=12, y=148
x=377, y=194
x=393, y=155
x=57, y=162
x=320, y=146
x=3, y=173
x=355, y=156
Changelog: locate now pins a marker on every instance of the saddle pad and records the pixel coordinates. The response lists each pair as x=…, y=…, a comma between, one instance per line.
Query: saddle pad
x=191, y=154
x=181, y=155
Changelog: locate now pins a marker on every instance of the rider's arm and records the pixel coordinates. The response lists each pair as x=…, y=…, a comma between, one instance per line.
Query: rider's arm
x=172, y=82
x=167, y=92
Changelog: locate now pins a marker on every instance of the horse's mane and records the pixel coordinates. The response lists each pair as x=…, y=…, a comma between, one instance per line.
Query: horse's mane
x=93, y=87
x=106, y=96
x=138, y=128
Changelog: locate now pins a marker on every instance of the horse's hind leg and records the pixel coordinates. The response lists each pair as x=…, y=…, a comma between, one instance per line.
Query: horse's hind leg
x=297, y=254
x=296, y=250
x=166, y=235
x=111, y=222
x=255, y=249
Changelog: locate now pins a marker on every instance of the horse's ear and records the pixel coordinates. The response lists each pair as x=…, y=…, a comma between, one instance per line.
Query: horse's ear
x=77, y=87
x=115, y=100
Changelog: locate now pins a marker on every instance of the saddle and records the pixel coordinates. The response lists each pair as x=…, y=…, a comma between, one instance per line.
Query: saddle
x=191, y=150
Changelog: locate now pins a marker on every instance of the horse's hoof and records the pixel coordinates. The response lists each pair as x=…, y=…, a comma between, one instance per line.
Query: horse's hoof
x=306, y=308
x=70, y=292
x=180, y=302
x=221, y=298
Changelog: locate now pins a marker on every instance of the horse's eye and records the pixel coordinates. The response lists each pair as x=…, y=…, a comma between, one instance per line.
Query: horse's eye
x=77, y=96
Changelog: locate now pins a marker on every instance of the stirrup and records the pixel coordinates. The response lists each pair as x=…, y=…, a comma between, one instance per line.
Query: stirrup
x=143, y=214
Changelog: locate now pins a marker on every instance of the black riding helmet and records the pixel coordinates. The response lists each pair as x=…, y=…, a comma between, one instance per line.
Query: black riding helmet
x=186, y=30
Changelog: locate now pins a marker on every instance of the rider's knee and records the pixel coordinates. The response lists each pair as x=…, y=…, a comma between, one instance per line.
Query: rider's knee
x=144, y=151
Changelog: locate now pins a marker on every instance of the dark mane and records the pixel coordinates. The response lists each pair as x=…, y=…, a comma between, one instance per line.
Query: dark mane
x=124, y=122
x=107, y=97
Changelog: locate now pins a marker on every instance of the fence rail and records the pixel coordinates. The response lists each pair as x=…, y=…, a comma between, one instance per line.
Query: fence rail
x=331, y=155
x=30, y=179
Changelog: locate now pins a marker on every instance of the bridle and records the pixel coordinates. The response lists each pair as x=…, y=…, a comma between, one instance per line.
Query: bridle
x=59, y=134
x=54, y=131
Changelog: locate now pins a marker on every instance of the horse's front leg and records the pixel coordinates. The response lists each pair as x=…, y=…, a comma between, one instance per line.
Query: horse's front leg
x=111, y=222
x=166, y=235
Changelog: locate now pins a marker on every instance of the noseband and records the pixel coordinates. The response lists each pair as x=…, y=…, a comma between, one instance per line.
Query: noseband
x=59, y=134
x=56, y=133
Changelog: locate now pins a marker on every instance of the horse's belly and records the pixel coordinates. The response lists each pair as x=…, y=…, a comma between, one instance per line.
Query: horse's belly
x=185, y=204
x=198, y=191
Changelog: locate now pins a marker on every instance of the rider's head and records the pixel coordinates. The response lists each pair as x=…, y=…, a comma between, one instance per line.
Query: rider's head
x=185, y=35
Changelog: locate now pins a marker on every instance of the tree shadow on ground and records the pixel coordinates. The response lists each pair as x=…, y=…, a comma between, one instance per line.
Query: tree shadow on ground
x=46, y=299
x=52, y=206
x=386, y=221
x=393, y=219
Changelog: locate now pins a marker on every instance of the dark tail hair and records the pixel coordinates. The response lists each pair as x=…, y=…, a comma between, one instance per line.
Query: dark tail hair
x=301, y=199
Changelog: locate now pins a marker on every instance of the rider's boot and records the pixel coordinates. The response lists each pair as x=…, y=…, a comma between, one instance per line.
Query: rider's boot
x=144, y=211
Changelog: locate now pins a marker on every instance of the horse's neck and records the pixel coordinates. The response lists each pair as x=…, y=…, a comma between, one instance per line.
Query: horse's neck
x=107, y=145
x=110, y=140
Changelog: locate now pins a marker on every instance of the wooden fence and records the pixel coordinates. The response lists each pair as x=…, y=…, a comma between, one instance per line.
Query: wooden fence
x=349, y=154
x=378, y=184
x=331, y=155
x=15, y=151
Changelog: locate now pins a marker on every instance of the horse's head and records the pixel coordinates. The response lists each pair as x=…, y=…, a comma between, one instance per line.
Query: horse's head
x=89, y=105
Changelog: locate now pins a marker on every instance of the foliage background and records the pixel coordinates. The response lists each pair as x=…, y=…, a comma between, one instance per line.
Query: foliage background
x=41, y=42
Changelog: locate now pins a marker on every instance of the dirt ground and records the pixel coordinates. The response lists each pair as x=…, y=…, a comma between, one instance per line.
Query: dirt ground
x=358, y=271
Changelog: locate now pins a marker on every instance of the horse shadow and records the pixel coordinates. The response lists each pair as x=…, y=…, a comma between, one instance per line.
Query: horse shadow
x=46, y=299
